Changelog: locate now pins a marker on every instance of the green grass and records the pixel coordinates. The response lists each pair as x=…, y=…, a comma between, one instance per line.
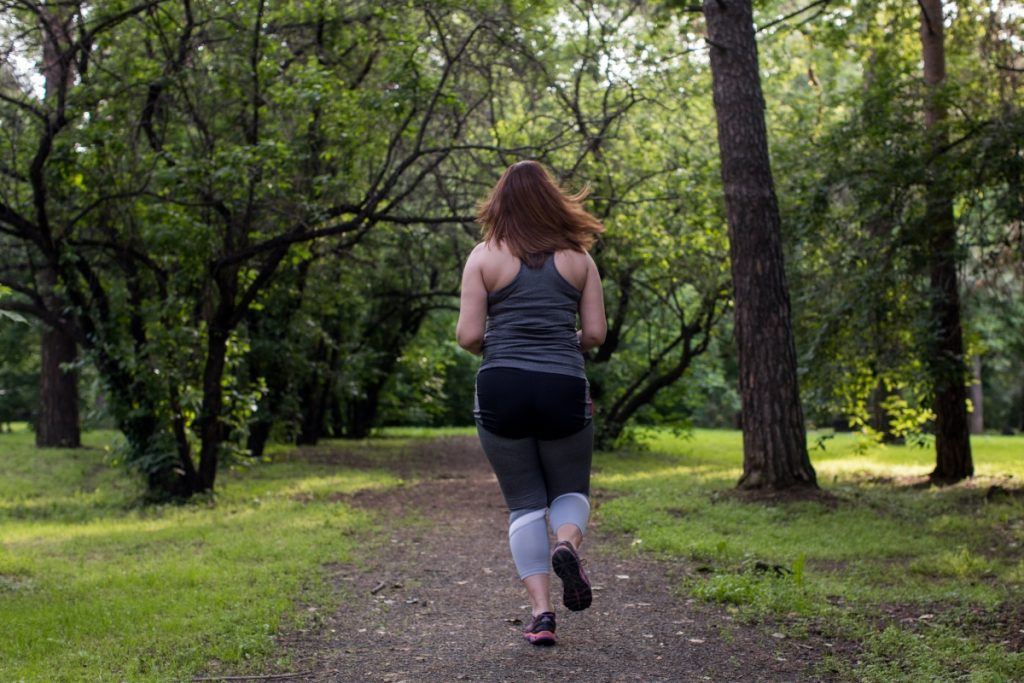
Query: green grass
x=95, y=587
x=881, y=546
x=422, y=432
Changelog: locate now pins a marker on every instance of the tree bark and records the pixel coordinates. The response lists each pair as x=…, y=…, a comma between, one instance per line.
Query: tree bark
x=774, y=436
x=57, y=425
x=211, y=421
x=948, y=371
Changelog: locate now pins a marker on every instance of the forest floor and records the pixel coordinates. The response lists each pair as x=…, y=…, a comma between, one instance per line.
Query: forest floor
x=435, y=599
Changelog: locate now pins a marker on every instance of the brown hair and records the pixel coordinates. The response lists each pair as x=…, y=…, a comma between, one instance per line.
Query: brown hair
x=531, y=215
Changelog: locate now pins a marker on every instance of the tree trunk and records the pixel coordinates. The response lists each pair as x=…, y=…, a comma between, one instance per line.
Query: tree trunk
x=774, y=436
x=211, y=424
x=952, y=438
x=259, y=433
x=363, y=412
x=314, y=408
x=315, y=393
x=57, y=424
x=1020, y=415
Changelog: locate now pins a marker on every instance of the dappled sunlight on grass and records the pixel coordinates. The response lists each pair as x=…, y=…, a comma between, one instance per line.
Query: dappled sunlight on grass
x=88, y=575
x=864, y=467
x=297, y=480
x=674, y=476
x=95, y=585
x=675, y=499
x=388, y=433
x=878, y=540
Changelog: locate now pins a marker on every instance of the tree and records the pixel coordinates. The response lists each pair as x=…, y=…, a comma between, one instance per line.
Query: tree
x=57, y=423
x=319, y=126
x=948, y=371
x=774, y=436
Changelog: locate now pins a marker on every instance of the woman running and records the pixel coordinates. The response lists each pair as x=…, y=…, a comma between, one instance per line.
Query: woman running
x=522, y=289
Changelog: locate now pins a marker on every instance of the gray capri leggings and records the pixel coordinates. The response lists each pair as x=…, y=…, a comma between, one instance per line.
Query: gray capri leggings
x=532, y=473
x=536, y=475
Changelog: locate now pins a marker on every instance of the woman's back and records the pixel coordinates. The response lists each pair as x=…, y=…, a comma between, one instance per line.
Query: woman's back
x=531, y=322
x=491, y=268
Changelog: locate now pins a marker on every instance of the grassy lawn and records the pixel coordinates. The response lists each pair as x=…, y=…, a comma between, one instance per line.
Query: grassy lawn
x=94, y=587
x=911, y=574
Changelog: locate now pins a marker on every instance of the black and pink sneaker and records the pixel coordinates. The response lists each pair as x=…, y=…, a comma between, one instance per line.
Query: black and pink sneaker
x=541, y=630
x=576, y=593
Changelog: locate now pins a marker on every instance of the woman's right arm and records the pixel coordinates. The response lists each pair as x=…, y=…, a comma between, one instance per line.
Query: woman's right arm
x=593, y=323
x=469, y=332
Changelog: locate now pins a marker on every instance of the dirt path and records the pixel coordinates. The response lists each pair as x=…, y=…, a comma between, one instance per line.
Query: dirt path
x=450, y=607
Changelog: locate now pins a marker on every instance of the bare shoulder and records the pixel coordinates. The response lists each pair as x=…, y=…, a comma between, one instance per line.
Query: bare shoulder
x=497, y=266
x=573, y=265
x=478, y=251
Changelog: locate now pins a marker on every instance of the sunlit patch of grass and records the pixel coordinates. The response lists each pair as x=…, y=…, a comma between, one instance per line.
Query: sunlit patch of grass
x=960, y=564
x=874, y=539
x=422, y=432
x=95, y=587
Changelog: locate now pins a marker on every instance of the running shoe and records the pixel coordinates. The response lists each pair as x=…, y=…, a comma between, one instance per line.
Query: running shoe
x=541, y=630
x=576, y=593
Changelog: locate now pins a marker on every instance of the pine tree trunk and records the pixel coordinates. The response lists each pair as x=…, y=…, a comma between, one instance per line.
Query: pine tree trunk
x=774, y=436
x=948, y=371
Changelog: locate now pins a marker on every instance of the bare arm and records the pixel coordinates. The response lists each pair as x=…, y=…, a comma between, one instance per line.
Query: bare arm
x=469, y=332
x=593, y=323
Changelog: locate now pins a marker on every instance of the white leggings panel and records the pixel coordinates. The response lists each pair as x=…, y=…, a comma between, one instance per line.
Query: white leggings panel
x=528, y=540
x=570, y=508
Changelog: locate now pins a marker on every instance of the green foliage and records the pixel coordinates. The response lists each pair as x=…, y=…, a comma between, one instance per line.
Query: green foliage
x=849, y=94
x=360, y=137
x=19, y=373
x=434, y=380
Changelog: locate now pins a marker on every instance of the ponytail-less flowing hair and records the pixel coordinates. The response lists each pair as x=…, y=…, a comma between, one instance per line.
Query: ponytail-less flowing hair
x=531, y=216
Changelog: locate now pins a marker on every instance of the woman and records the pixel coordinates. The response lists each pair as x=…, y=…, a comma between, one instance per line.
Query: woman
x=522, y=289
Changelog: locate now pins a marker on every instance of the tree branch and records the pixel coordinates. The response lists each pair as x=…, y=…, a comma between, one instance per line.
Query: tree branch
x=787, y=17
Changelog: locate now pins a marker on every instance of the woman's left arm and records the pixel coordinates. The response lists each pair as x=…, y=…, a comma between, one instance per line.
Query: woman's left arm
x=469, y=332
x=593, y=324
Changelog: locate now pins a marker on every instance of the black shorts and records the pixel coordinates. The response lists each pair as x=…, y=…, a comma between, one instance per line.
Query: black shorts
x=520, y=404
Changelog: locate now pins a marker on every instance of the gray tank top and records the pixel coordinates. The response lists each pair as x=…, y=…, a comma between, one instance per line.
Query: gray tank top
x=531, y=323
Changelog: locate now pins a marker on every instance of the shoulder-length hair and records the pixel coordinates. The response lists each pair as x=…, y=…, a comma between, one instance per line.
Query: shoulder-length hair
x=531, y=215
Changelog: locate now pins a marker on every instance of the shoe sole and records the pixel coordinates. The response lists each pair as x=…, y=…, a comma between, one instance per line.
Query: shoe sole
x=576, y=592
x=540, y=638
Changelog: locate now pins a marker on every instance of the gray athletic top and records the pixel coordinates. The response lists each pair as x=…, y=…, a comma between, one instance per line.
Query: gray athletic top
x=531, y=323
